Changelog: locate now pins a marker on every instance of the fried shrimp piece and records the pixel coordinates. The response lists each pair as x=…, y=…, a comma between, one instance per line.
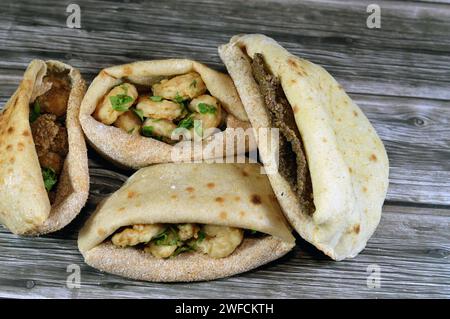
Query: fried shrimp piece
x=207, y=115
x=158, y=128
x=137, y=234
x=55, y=100
x=220, y=241
x=188, y=231
x=158, y=108
x=115, y=103
x=186, y=86
x=160, y=251
x=129, y=122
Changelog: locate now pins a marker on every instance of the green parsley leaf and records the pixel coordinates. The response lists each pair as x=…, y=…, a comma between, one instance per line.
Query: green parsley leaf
x=206, y=108
x=169, y=237
x=131, y=131
x=201, y=236
x=252, y=231
x=147, y=131
x=139, y=113
x=198, y=128
x=156, y=98
x=178, y=98
x=187, y=123
x=35, y=111
x=49, y=177
x=193, y=84
x=182, y=249
x=119, y=102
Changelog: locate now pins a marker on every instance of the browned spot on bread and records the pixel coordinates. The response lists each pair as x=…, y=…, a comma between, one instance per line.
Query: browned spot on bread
x=127, y=70
x=355, y=113
x=210, y=185
x=26, y=133
x=350, y=170
x=356, y=228
x=10, y=170
x=242, y=213
x=256, y=199
x=173, y=196
x=237, y=198
x=10, y=129
x=223, y=215
x=364, y=189
x=296, y=66
x=219, y=199
x=293, y=81
x=190, y=189
x=295, y=108
x=244, y=173
x=131, y=194
x=101, y=232
x=9, y=147
x=192, y=197
x=121, y=209
x=20, y=146
x=373, y=157
x=12, y=159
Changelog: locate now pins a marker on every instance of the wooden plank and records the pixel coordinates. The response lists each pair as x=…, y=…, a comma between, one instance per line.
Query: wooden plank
x=408, y=56
x=411, y=247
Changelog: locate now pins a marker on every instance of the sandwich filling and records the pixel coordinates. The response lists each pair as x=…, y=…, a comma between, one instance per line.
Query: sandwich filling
x=169, y=240
x=175, y=108
x=293, y=165
x=47, y=121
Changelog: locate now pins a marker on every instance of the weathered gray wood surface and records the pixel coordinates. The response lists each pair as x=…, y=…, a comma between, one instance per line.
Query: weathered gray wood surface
x=399, y=75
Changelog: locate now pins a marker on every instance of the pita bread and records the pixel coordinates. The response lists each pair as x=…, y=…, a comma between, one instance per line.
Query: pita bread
x=24, y=204
x=347, y=160
x=136, y=151
x=235, y=195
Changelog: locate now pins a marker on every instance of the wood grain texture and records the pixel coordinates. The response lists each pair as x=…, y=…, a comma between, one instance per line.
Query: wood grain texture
x=399, y=75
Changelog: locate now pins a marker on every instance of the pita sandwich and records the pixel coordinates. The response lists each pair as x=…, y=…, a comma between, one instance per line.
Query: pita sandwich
x=187, y=222
x=332, y=172
x=44, y=179
x=162, y=111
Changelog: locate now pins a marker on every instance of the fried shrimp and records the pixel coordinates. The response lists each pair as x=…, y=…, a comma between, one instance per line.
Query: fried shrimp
x=186, y=86
x=115, y=103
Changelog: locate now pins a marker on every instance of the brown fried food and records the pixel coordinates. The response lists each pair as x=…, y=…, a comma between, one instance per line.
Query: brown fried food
x=50, y=139
x=293, y=165
x=54, y=101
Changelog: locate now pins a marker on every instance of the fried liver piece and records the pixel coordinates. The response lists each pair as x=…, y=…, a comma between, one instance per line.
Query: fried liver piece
x=292, y=160
x=50, y=139
x=55, y=100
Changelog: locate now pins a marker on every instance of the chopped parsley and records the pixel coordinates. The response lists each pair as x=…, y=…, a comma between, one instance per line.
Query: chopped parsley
x=35, y=111
x=139, y=113
x=198, y=128
x=49, y=177
x=147, y=131
x=182, y=249
x=156, y=98
x=187, y=123
x=169, y=237
x=206, y=108
x=131, y=131
x=178, y=99
x=119, y=102
x=201, y=236
x=193, y=84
